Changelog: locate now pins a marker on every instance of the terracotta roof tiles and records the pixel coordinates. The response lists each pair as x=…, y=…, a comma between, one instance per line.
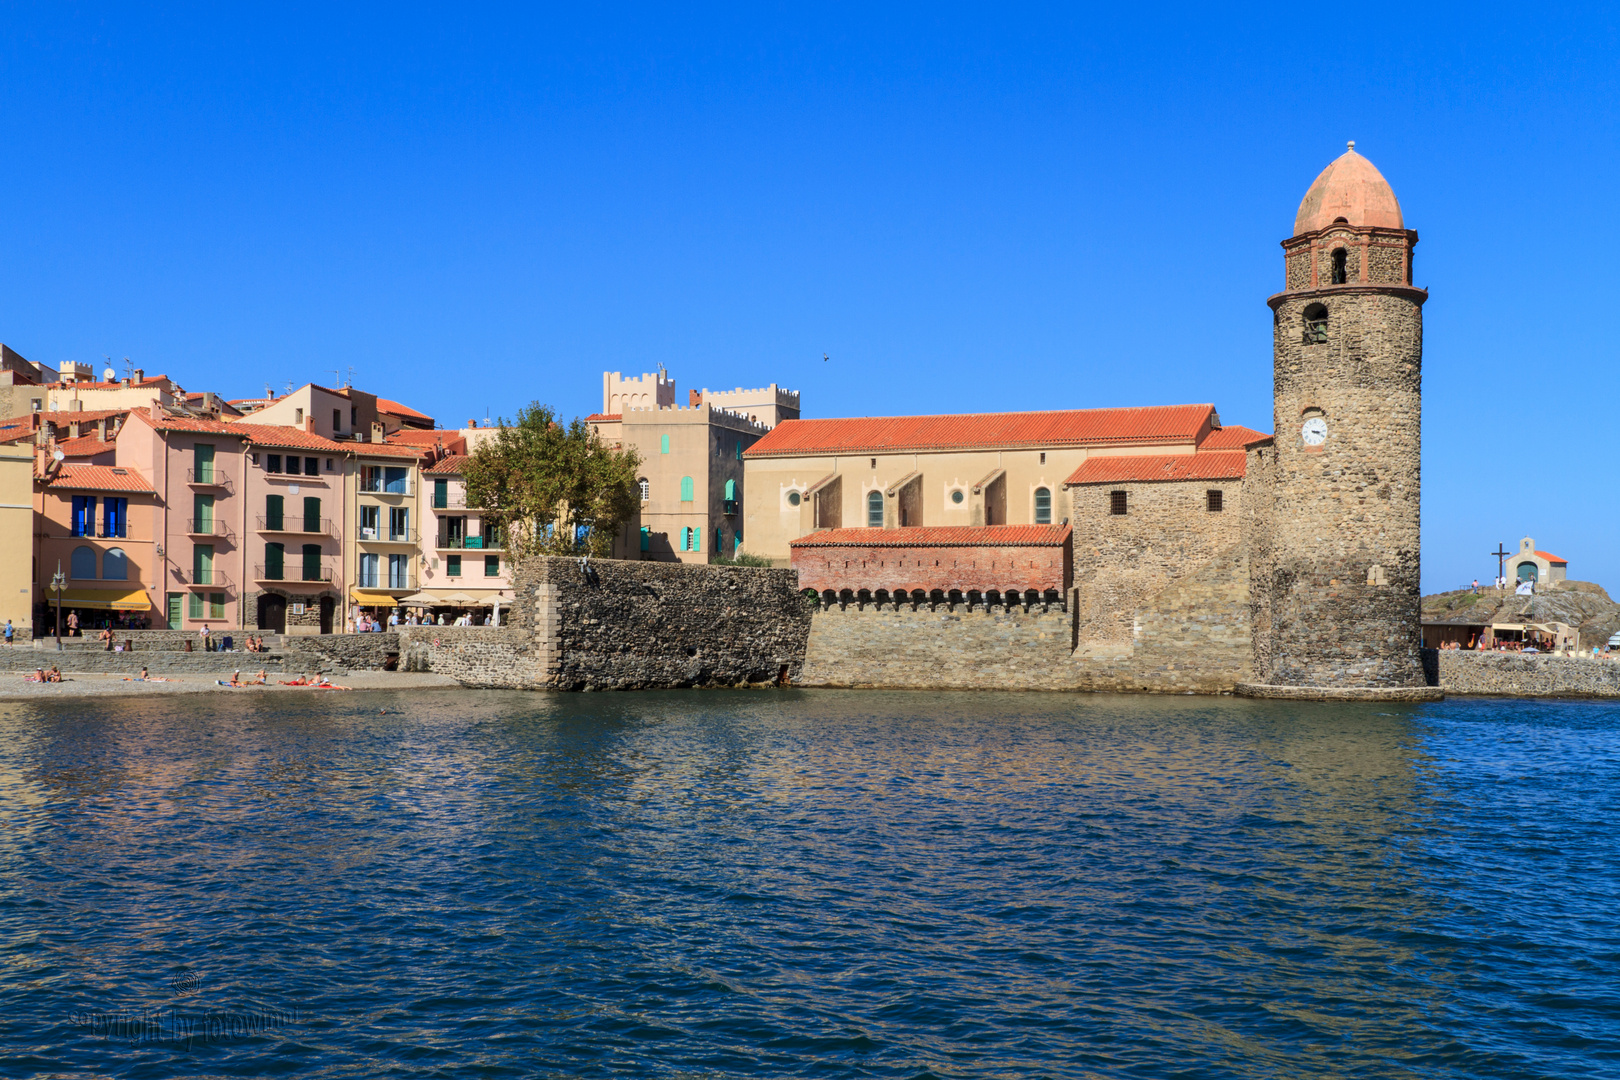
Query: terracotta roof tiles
x=97, y=478
x=1550, y=557
x=1210, y=465
x=85, y=446
x=940, y=536
x=1235, y=437
x=985, y=431
x=450, y=466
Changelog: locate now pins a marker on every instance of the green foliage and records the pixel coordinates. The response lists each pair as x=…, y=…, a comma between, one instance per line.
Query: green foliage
x=538, y=481
x=742, y=558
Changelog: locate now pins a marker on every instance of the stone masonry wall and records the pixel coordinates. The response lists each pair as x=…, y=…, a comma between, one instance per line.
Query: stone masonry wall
x=484, y=656
x=1516, y=675
x=1001, y=568
x=622, y=625
x=1192, y=637
x=1342, y=585
x=1121, y=561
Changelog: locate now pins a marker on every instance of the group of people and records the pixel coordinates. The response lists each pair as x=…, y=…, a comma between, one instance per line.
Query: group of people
x=41, y=675
x=365, y=623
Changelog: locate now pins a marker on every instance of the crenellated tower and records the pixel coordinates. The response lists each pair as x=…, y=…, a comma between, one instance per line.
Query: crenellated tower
x=1337, y=595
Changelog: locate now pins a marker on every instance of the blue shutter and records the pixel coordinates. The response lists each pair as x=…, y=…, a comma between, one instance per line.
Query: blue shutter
x=686, y=489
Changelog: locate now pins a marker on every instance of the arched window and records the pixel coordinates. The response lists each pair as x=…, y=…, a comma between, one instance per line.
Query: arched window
x=1316, y=324
x=686, y=539
x=646, y=489
x=686, y=489
x=1340, y=272
x=731, y=489
x=115, y=565
x=794, y=498
x=874, y=510
x=84, y=562
x=1043, y=506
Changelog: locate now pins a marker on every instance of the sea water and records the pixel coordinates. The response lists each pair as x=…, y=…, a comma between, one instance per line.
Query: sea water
x=783, y=883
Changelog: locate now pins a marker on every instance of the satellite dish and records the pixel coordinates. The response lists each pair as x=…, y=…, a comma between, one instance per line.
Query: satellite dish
x=58, y=455
x=109, y=375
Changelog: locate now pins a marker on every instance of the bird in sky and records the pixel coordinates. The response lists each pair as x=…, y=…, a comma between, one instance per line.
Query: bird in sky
x=825, y=358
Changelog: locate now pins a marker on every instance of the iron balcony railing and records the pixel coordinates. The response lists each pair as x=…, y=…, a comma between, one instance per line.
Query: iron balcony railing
x=386, y=535
x=290, y=523
x=728, y=506
x=293, y=570
x=471, y=543
x=373, y=485
x=102, y=533
x=215, y=578
x=382, y=579
x=208, y=477
x=454, y=500
x=216, y=527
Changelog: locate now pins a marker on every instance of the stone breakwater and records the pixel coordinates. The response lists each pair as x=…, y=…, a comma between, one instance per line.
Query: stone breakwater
x=1516, y=675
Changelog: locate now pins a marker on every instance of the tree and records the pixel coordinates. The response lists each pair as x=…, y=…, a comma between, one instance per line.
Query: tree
x=553, y=490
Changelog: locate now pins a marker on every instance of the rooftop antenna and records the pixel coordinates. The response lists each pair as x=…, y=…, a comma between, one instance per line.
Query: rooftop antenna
x=129, y=369
x=269, y=394
x=289, y=386
x=337, y=378
x=351, y=378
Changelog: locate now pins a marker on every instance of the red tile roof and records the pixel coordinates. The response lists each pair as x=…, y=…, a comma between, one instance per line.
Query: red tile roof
x=1550, y=557
x=450, y=466
x=1213, y=465
x=984, y=431
x=940, y=536
x=85, y=446
x=452, y=441
x=257, y=434
x=97, y=478
x=394, y=408
x=385, y=449
x=1235, y=437
x=63, y=416
x=604, y=417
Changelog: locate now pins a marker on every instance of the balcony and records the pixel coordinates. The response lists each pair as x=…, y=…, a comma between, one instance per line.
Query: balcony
x=373, y=485
x=216, y=527
x=101, y=534
x=728, y=507
x=386, y=582
x=455, y=500
x=294, y=571
x=471, y=543
x=203, y=579
x=386, y=536
x=213, y=478
x=296, y=526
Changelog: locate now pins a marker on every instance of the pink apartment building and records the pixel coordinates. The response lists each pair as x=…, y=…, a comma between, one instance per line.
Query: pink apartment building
x=469, y=564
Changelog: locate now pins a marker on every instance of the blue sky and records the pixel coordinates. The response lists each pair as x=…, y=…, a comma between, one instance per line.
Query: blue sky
x=966, y=209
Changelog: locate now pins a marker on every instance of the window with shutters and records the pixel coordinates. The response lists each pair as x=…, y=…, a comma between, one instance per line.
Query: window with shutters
x=663, y=444
x=273, y=505
x=686, y=489
x=83, y=562
x=452, y=565
x=312, y=562
x=312, y=514
x=115, y=565
x=275, y=561
x=492, y=566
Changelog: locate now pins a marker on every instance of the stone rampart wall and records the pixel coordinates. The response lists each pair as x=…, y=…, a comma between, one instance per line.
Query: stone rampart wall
x=158, y=662
x=1193, y=637
x=1516, y=675
x=1003, y=568
x=484, y=656
x=355, y=652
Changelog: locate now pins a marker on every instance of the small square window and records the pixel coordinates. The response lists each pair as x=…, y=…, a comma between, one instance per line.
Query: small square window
x=328, y=464
x=272, y=463
x=1212, y=501
x=1116, y=502
x=312, y=466
x=874, y=463
x=1043, y=458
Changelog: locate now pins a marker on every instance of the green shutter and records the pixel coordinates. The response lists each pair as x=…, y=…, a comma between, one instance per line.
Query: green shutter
x=663, y=444
x=275, y=561
x=202, y=513
x=731, y=489
x=216, y=605
x=312, y=562
x=174, y=611
x=203, y=461
x=492, y=566
x=646, y=538
x=273, y=505
x=686, y=489
x=195, y=608
x=312, y=514
x=441, y=494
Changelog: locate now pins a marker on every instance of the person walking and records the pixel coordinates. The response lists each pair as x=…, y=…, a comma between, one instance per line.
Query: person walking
x=11, y=632
x=73, y=624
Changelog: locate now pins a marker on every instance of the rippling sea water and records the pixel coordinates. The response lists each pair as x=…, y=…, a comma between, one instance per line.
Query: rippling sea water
x=808, y=883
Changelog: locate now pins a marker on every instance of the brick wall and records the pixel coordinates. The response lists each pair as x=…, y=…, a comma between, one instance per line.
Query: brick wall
x=963, y=568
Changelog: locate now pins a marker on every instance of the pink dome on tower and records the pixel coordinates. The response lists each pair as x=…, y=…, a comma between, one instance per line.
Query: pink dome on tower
x=1351, y=188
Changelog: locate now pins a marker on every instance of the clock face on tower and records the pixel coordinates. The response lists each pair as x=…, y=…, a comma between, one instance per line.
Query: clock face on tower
x=1314, y=431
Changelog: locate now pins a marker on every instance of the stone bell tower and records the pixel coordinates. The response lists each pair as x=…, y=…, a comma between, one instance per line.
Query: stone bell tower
x=1336, y=589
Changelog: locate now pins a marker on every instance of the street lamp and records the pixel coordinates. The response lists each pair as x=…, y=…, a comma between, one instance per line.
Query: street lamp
x=58, y=583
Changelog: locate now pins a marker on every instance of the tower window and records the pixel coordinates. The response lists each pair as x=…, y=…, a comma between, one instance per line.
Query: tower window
x=1043, y=506
x=646, y=489
x=1116, y=503
x=1340, y=273
x=1316, y=324
x=1212, y=501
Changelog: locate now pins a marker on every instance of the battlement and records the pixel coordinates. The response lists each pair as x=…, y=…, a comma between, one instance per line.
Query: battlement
x=695, y=414
x=768, y=404
x=650, y=390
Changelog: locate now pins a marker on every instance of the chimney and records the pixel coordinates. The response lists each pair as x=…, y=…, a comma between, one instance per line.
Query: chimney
x=157, y=410
x=208, y=402
x=101, y=430
x=309, y=424
x=694, y=398
x=139, y=374
x=73, y=430
x=125, y=383
x=472, y=424
x=376, y=431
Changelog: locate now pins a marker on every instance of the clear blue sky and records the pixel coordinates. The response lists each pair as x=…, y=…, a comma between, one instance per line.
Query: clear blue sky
x=967, y=209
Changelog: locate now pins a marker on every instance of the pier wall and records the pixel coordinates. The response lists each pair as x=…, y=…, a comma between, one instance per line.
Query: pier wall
x=1490, y=674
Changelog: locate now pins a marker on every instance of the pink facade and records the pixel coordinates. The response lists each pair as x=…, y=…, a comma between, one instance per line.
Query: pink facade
x=466, y=558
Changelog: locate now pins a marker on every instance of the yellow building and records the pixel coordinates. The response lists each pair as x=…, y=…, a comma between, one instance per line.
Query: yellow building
x=17, y=538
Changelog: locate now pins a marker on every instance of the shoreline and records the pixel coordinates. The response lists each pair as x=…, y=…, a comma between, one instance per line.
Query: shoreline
x=97, y=684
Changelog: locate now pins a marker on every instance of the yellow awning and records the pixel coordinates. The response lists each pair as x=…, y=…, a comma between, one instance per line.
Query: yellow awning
x=102, y=599
x=372, y=596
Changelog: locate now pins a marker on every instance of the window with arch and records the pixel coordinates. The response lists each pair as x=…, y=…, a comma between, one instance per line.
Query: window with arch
x=115, y=565
x=83, y=562
x=645, y=487
x=1043, y=506
x=1341, y=272
x=686, y=489
x=1316, y=324
x=874, y=510
x=731, y=489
